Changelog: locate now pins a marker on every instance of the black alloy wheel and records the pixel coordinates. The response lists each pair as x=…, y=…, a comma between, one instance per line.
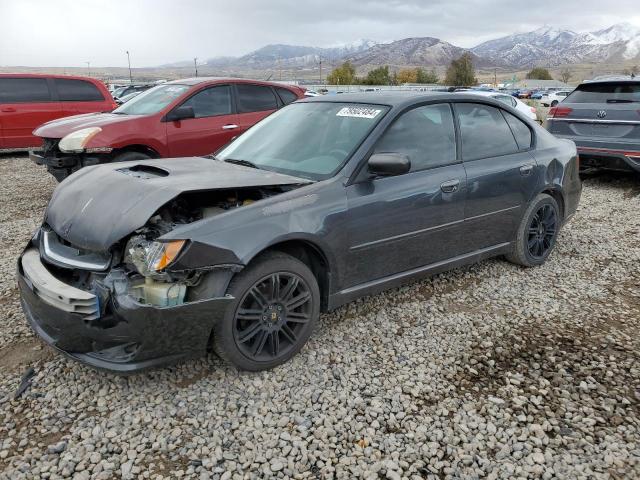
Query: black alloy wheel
x=271, y=316
x=542, y=231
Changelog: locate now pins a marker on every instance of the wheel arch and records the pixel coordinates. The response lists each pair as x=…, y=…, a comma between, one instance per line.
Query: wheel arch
x=558, y=196
x=311, y=255
x=136, y=147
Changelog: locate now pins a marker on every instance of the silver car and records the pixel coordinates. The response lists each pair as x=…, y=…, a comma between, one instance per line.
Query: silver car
x=603, y=119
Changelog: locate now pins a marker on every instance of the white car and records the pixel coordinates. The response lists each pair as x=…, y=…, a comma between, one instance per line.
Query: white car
x=311, y=93
x=554, y=98
x=509, y=100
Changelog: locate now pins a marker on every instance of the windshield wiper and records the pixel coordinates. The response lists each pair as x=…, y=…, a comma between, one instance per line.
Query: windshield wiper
x=245, y=163
x=620, y=100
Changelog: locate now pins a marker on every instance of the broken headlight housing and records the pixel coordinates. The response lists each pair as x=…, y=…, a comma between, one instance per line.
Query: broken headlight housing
x=77, y=141
x=151, y=257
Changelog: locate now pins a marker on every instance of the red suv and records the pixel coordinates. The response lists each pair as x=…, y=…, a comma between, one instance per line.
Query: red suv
x=29, y=100
x=190, y=117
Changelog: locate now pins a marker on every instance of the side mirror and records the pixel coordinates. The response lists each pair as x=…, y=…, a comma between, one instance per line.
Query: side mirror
x=389, y=164
x=182, y=112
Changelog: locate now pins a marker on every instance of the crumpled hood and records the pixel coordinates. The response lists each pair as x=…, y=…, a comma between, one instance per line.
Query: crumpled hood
x=98, y=206
x=64, y=126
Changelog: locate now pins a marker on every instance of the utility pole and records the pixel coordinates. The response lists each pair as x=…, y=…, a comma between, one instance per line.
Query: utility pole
x=495, y=77
x=195, y=64
x=320, y=70
x=88, y=68
x=129, y=62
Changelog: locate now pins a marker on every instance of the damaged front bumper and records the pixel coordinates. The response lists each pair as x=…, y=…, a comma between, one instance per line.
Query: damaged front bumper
x=112, y=331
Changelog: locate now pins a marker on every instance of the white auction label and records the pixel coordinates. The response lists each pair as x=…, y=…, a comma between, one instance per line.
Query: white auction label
x=358, y=112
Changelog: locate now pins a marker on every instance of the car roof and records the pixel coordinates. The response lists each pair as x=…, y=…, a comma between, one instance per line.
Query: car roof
x=212, y=80
x=47, y=75
x=612, y=80
x=394, y=99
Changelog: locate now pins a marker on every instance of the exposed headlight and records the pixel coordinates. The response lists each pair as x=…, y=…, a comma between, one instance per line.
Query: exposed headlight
x=77, y=141
x=151, y=257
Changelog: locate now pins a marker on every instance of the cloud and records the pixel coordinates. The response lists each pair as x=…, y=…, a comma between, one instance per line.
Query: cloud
x=71, y=32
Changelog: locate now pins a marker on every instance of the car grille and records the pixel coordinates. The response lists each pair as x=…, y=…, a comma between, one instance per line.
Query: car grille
x=57, y=251
x=50, y=145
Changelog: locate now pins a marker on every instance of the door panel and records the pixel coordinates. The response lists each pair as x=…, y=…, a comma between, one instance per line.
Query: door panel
x=213, y=127
x=497, y=194
x=25, y=103
x=20, y=119
x=403, y=222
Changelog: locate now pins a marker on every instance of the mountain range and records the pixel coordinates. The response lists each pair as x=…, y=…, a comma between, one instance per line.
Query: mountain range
x=545, y=46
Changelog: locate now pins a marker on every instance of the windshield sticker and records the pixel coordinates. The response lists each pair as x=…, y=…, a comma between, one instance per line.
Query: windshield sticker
x=358, y=112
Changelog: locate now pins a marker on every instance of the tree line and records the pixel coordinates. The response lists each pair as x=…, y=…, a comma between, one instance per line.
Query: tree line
x=460, y=72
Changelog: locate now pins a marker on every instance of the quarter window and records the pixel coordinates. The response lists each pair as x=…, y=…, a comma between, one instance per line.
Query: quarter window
x=520, y=131
x=211, y=102
x=425, y=134
x=484, y=132
x=255, y=98
x=287, y=96
x=77, y=91
x=23, y=90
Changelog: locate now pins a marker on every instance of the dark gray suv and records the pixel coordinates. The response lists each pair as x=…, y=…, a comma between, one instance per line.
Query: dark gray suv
x=603, y=119
x=327, y=200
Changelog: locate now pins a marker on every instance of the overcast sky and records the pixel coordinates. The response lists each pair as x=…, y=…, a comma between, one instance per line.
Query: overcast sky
x=72, y=32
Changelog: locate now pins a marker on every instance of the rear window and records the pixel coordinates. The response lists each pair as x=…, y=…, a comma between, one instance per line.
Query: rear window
x=23, y=90
x=607, y=92
x=77, y=91
x=255, y=98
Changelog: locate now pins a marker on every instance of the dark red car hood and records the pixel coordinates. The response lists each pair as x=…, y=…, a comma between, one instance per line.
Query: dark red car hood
x=64, y=126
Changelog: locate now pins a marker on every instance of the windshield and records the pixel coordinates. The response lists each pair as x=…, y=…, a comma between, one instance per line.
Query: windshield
x=310, y=140
x=608, y=92
x=152, y=100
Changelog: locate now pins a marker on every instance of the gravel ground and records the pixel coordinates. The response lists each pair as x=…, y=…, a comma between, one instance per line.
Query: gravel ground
x=492, y=371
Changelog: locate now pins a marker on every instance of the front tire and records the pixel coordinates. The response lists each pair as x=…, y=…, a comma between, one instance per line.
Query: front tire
x=537, y=233
x=131, y=156
x=275, y=309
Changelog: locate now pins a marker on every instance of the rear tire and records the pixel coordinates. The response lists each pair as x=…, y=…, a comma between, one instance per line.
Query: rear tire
x=275, y=309
x=537, y=232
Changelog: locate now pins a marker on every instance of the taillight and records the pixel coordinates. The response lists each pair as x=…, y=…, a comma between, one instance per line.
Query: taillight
x=557, y=112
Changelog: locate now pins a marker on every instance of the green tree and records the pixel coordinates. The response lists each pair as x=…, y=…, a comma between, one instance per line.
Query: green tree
x=378, y=76
x=461, y=72
x=423, y=76
x=539, y=73
x=408, y=75
x=342, y=75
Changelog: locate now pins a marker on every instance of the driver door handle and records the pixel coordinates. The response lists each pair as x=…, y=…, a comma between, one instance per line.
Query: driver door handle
x=231, y=126
x=450, y=186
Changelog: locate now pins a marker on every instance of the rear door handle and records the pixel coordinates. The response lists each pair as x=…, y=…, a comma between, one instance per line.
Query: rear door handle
x=231, y=126
x=8, y=109
x=450, y=186
x=526, y=169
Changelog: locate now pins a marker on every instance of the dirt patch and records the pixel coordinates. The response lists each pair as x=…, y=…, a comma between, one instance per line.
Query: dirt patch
x=23, y=354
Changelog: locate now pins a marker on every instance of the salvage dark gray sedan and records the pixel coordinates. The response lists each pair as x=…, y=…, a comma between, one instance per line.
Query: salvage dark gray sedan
x=142, y=263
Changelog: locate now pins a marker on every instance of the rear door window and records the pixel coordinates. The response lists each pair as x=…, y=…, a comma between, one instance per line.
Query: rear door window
x=77, y=91
x=484, y=132
x=287, y=96
x=24, y=90
x=255, y=98
x=605, y=92
x=211, y=102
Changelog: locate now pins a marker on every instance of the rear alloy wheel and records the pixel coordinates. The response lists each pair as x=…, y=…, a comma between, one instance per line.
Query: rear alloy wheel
x=275, y=310
x=537, y=232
